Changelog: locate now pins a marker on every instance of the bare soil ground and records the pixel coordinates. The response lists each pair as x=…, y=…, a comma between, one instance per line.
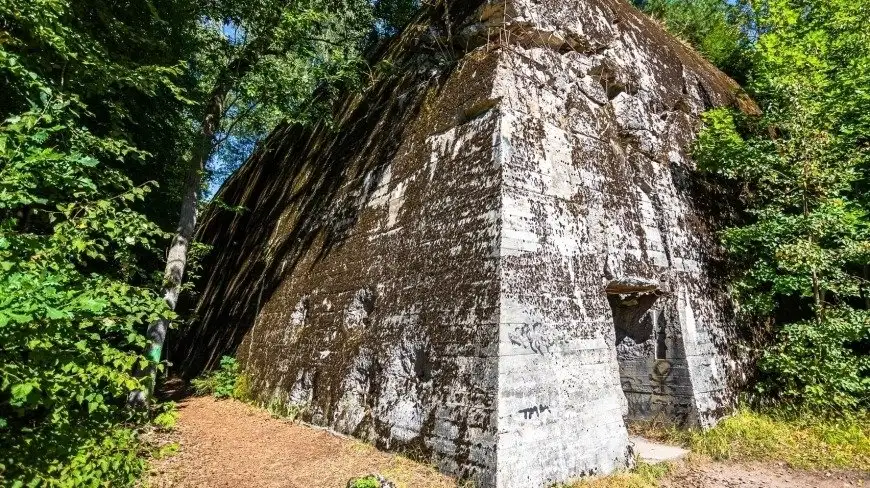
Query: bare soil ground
x=231, y=444
x=721, y=475
x=234, y=445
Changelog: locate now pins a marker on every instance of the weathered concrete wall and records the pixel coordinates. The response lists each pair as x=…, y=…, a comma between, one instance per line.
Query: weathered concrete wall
x=392, y=336
x=597, y=124
x=440, y=274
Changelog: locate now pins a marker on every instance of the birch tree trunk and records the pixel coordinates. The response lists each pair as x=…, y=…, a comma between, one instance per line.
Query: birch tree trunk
x=176, y=258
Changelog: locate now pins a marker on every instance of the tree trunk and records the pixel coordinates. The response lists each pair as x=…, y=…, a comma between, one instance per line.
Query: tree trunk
x=818, y=293
x=176, y=258
x=865, y=290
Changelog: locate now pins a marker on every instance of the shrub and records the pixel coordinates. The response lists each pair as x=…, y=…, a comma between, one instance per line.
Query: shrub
x=717, y=29
x=818, y=364
x=224, y=382
x=71, y=314
x=76, y=243
x=801, y=249
x=90, y=453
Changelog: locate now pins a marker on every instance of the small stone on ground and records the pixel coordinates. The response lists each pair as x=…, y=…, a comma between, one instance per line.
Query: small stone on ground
x=654, y=452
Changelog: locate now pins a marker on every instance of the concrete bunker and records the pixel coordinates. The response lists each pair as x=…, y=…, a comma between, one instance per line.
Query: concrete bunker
x=443, y=291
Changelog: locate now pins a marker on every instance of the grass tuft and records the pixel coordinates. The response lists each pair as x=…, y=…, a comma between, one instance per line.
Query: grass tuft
x=805, y=442
x=642, y=476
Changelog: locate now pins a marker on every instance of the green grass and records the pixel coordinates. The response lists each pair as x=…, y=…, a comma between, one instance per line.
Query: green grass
x=166, y=450
x=642, y=476
x=366, y=482
x=806, y=442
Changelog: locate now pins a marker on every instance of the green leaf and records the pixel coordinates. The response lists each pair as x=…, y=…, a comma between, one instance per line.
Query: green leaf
x=21, y=391
x=56, y=314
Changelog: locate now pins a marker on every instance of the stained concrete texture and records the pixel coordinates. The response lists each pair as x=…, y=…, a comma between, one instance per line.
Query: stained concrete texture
x=500, y=254
x=654, y=452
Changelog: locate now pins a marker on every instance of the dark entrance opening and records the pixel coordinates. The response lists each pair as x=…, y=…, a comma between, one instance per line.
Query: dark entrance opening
x=632, y=320
x=640, y=330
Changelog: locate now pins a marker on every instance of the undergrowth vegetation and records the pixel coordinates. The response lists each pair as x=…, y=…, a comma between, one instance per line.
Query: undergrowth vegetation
x=223, y=382
x=370, y=481
x=804, y=442
x=228, y=381
x=801, y=170
x=286, y=410
x=76, y=246
x=720, y=30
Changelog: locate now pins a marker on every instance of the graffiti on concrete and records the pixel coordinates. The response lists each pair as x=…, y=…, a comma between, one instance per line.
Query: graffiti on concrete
x=534, y=411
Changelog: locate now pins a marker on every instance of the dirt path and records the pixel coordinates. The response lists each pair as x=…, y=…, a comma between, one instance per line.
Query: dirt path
x=719, y=475
x=231, y=444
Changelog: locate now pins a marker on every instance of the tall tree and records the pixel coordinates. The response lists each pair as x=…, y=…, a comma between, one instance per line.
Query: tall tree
x=260, y=63
x=84, y=88
x=802, y=169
